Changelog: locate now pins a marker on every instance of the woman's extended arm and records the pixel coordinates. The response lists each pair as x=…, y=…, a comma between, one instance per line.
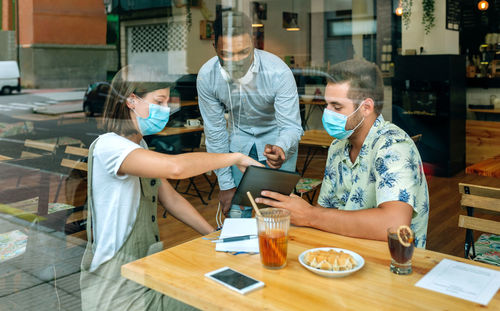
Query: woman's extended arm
x=150, y=164
x=181, y=209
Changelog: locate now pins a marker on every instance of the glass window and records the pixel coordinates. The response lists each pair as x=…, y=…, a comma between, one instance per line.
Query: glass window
x=208, y=75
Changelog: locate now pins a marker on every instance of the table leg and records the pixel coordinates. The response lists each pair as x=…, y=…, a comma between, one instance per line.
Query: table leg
x=308, y=159
x=307, y=115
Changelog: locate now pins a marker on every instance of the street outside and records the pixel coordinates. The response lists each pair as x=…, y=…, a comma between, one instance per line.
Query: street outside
x=55, y=101
x=45, y=115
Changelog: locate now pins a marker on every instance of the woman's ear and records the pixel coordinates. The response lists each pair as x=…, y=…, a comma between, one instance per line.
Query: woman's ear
x=131, y=101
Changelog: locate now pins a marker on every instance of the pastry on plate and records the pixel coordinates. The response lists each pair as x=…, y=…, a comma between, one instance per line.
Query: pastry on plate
x=330, y=260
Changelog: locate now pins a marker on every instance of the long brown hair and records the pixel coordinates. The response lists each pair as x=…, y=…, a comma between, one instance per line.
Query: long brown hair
x=131, y=79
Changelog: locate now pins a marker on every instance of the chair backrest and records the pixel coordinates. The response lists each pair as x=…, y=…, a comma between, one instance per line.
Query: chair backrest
x=74, y=164
x=39, y=148
x=4, y=158
x=75, y=185
x=416, y=138
x=480, y=198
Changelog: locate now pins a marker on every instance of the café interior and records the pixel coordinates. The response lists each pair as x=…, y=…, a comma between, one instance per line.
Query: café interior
x=440, y=62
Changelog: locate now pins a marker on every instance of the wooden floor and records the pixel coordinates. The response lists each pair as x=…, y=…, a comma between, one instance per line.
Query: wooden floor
x=443, y=232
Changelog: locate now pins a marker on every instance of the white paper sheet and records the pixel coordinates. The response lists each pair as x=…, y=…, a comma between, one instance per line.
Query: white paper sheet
x=461, y=280
x=237, y=227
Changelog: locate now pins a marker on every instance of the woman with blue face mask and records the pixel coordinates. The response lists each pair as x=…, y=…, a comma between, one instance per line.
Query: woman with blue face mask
x=126, y=181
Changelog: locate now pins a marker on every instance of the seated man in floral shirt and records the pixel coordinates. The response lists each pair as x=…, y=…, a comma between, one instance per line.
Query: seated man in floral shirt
x=374, y=177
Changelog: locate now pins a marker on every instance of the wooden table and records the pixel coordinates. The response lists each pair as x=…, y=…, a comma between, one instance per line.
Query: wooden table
x=485, y=110
x=179, y=272
x=169, y=131
x=489, y=167
x=186, y=103
x=486, y=114
x=315, y=140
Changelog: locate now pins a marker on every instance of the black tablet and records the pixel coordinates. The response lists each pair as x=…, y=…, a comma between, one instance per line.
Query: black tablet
x=256, y=179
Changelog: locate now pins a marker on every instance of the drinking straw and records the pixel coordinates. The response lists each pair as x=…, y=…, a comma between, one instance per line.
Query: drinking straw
x=256, y=209
x=273, y=245
x=276, y=250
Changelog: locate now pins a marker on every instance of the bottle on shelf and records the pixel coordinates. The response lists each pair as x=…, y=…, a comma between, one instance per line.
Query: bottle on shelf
x=470, y=68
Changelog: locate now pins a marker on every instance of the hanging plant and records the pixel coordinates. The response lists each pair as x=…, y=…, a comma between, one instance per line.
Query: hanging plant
x=189, y=16
x=406, y=5
x=428, y=15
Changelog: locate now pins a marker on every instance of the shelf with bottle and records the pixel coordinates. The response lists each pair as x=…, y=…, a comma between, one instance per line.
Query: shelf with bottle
x=486, y=64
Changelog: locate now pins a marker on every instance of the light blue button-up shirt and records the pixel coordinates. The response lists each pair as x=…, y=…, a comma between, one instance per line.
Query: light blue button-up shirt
x=262, y=111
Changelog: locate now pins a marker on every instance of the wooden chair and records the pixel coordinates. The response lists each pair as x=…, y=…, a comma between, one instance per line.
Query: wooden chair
x=37, y=149
x=75, y=185
x=308, y=187
x=73, y=164
x=13, y=129
x=190, y=142
x=485, y=200
x=4, y=158
x=416, y=138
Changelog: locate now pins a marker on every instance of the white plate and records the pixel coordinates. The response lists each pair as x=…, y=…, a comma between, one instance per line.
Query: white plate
x=360, y=262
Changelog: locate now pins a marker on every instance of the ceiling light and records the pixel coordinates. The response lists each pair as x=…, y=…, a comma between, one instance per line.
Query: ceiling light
x=293, y=23
x=256, y=22
x=293, y=26
x=483, y=5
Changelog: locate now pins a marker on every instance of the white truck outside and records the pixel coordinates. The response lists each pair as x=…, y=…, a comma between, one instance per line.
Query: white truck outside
x=9, y=77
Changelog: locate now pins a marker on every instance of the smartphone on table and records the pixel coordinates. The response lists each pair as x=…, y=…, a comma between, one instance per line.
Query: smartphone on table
x=234, y=280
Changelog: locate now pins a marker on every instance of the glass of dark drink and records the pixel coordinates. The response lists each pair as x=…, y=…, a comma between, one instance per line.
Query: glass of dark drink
x=401, y=245
x=273, y=225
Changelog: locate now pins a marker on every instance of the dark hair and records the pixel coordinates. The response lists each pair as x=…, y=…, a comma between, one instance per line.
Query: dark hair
x=231, y=23
x=132, y=79
x=365, y=81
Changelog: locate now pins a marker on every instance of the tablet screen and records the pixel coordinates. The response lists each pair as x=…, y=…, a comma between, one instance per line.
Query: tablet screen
x=256, y=179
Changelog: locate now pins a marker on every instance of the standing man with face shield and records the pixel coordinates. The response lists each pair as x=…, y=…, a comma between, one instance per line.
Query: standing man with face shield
x=258, y=91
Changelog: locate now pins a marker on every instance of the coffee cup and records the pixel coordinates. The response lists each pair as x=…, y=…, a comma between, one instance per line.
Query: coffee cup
x=496, y=103
x=493, y=98
x=193, y=122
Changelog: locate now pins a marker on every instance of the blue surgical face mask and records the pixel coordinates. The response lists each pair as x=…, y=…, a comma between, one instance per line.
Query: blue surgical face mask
x=155, y=122
x=334, y=123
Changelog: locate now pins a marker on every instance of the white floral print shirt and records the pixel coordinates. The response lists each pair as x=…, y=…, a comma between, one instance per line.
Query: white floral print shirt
x=388, y=168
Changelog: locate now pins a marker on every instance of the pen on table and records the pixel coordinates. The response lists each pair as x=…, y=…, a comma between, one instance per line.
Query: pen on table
x=236, y=238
